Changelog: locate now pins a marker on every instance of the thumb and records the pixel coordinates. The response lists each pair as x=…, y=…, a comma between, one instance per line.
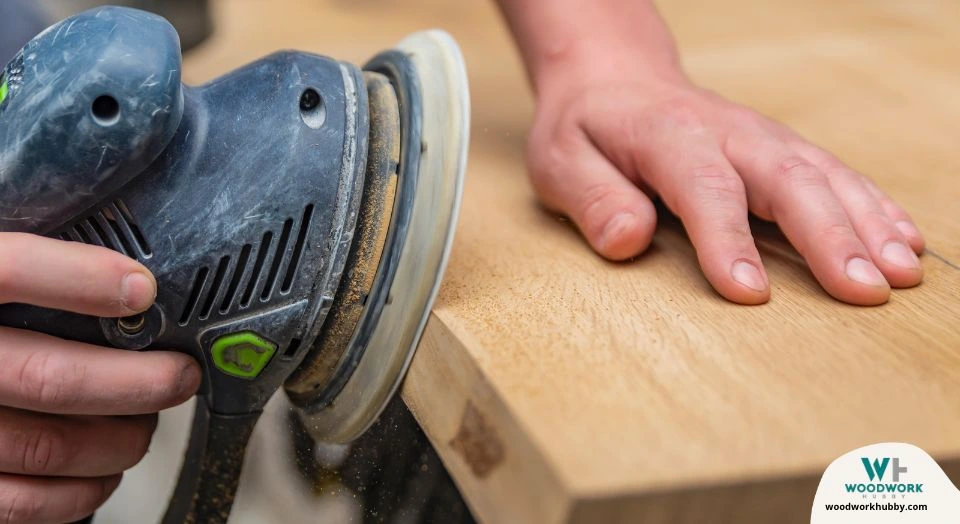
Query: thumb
x=616, y=217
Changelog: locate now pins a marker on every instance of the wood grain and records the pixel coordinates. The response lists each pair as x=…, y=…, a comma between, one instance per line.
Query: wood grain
x=561, y=388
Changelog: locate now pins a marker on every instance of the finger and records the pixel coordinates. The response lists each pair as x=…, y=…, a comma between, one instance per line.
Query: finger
x=785, y=187
x=900, y=218
x=888, y=247
x=50, y=375
x=698, y=183
x=28, y=500
x=616, y=218
x=37, y=444
x=72, y=276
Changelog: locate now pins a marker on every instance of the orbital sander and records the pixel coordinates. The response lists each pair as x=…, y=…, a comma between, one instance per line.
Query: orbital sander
x=297, y=214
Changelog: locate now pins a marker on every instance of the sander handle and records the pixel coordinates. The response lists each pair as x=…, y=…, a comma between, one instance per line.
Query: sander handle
x=211, y=467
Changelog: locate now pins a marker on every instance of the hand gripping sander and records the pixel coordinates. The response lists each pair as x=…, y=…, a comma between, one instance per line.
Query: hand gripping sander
x=297, y=214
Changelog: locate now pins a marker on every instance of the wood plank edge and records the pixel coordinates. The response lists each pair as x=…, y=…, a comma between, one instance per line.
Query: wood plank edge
x=499, y=470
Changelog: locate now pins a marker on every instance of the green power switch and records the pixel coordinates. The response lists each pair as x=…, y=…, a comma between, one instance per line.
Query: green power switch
x=242, y=355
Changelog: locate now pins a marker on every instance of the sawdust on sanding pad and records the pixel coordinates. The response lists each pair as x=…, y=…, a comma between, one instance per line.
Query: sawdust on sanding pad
x=373, y=224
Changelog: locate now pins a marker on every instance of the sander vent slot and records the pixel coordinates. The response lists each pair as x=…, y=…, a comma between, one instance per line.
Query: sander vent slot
x=297, y=250
x=99, y=235
x=215, y=288
x=234, y=284
x=235, y=281
x=280, y=254
x=257, y=268
x=112, y=227
x=128, y=225
x=194, y=299
x=109, y=224
x=80, y=235
x=277, y=260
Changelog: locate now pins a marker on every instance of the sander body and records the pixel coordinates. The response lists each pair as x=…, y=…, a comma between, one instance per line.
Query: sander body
x=297, y=214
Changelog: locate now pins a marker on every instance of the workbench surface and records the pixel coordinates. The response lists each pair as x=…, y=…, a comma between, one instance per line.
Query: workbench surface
x=558, y=387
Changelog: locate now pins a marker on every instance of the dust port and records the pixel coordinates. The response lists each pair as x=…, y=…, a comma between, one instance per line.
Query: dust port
x=106, y=110
x=131, y=326
x=312, y=110
x=292, y=348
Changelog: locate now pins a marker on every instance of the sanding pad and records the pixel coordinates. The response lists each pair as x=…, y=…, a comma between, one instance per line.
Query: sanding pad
x=441, y=91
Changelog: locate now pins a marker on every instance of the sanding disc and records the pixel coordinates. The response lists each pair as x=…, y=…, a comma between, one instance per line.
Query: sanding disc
x=442, y=94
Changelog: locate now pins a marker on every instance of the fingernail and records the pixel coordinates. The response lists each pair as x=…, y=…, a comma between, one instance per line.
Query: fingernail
x=748, y=275
x=615, y=227
x=864, y=272
x=898, y=254
x=907, y=229
x=137, y=291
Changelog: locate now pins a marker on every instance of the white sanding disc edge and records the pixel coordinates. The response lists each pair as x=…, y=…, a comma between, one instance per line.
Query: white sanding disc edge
x=442, y=73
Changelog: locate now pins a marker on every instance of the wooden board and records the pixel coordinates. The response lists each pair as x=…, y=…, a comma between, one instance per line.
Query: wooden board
x=561, y=388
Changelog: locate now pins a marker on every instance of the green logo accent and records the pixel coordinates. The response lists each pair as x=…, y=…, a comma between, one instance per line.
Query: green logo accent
x=3, y=88
x=242, y=355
